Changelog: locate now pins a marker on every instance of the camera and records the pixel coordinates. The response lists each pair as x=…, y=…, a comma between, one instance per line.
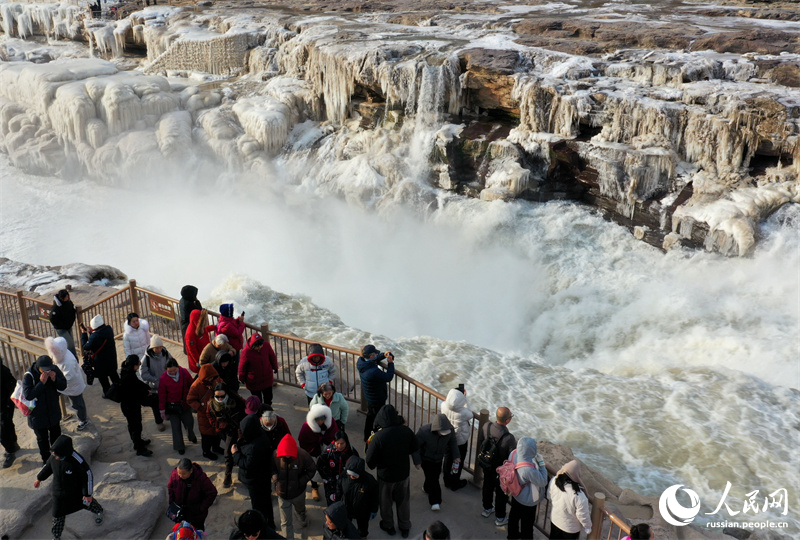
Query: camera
x=460, y=388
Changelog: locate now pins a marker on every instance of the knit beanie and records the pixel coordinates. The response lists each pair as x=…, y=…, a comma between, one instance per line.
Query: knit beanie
x=287, y=447
x=252, y=405
x=97, y=322
x=156, y=341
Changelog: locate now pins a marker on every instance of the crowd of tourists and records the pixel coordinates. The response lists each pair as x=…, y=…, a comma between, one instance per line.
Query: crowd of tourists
x=272, y=464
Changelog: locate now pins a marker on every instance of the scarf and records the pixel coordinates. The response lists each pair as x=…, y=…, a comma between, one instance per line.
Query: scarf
x=175, y=377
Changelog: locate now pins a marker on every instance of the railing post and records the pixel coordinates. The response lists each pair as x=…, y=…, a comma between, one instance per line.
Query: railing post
x=23, y=314
x=597, y=516
x=264, y=330
x=134, y=296
x=78, y=322
x=483, y=419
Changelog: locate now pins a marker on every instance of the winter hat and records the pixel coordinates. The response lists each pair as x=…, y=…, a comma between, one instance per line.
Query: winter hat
x=184, y=531
x=156, y=341
x=226, y=310
x=97, y=322
x=368, y=350
x=251, y=522
x=573, y=470
x=315, y=350
x=252, y=405
x=287, y=447
x=44, y=363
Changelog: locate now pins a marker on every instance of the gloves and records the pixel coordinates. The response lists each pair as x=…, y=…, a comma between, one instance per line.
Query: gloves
x=373, y=515
x=303, y=385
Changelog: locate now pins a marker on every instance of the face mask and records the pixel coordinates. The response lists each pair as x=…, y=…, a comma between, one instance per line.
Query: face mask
x=446, y=432
x=221, y=400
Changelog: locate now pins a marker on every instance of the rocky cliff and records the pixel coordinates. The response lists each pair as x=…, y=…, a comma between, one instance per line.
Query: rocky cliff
x=681, y=122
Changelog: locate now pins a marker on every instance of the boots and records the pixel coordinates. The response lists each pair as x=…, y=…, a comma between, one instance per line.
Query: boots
x=228, y=481
x=315, y=494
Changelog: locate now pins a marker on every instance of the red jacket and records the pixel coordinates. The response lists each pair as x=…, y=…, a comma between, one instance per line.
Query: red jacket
x=256, y=367
x=311, y=440
x=170, y=391
x=233, y=328
x=194, y=343
x=194, y=501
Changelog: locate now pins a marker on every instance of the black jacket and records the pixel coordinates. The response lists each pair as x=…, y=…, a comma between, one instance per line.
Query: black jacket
x=47, y=411
x=344, y=527
x=72, y=478
x=132, y=392
x=7, y=384
x=433, y=446
x=229, y=375
x=390, y=448
x=360, y=495
x=187, y=304
x=62, y=314
x=104, y=350
x=254, y=457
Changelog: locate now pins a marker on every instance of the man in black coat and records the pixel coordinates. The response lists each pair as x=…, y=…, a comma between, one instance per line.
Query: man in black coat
x=253, y=456
x=187, y=304
x=359, y=491
x=62, y=317
x=42, y=382
x=73, y=484
x=389, y=450
x=8, y=435
x=103, y=350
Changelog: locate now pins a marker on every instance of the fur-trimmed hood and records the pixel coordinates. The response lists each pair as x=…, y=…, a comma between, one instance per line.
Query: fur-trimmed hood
x=315, y=412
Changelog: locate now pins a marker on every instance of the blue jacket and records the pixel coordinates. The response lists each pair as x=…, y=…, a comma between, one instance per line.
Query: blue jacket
x=374, y=379
x=532, y=479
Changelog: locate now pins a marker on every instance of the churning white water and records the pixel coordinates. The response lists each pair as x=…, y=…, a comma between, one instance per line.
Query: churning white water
x=656, y=368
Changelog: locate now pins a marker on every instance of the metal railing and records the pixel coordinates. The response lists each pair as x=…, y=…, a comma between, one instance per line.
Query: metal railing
x=416, y=402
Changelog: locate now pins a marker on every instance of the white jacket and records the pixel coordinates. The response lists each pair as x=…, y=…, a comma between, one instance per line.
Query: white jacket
x=570, y=511
x=457, y=410
x=136, y=340
x=68, y=364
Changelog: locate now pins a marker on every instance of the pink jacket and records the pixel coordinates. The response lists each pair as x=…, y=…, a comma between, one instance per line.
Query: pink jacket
x=233, y=328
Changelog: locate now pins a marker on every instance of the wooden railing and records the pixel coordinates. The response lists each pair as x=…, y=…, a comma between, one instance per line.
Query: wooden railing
x=19, y=353
x=416, y=402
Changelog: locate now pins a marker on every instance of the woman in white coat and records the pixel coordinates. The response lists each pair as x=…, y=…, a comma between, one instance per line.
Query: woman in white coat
x=136, y=338
x=570, y=507
x=457, y=410
x=58, y=350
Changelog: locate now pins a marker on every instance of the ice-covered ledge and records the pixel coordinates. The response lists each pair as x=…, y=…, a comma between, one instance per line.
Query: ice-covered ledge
x=687, y=145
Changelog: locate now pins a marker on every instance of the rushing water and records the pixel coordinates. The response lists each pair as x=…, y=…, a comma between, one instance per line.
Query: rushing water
x=656, y=368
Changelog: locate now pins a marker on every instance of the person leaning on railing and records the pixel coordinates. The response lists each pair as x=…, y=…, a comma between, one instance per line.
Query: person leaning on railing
x=62, y=317
x=373, y=382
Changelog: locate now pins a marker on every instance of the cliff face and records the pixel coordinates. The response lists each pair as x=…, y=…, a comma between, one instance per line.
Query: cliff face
x=680, y=122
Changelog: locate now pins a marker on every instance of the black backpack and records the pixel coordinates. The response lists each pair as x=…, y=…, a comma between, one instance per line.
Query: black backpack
x=489, y=452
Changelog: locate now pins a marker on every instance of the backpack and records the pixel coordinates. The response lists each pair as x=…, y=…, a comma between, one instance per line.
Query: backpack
x=489, y=452
x=509, y=480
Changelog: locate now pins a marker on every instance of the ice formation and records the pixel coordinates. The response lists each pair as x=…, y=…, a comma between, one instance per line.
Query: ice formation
x=634, y=127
